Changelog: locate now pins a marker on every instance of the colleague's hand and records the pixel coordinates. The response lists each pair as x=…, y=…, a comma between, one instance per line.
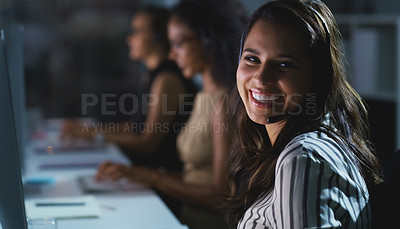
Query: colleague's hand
x=115, y=171
x=111, y=171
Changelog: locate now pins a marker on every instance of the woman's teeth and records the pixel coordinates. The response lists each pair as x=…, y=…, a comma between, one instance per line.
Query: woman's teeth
x=264, y=98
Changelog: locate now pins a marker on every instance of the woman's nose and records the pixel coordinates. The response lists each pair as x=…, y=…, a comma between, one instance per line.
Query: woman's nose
x=128, y=39
x=266, y=74
x=171, y=54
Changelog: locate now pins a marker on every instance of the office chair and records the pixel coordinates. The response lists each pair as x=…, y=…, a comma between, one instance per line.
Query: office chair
x=385, y=197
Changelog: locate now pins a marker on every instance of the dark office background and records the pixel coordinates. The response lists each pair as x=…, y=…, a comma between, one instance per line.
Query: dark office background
x=73, y=47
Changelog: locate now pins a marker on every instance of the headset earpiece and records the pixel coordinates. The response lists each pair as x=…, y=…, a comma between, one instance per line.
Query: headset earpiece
x=240, y=48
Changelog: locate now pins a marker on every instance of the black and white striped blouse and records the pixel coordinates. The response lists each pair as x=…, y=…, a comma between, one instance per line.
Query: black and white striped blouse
x=316, y=186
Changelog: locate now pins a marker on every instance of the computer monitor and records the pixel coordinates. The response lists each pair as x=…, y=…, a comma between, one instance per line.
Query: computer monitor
x=12, y=206
x=15, y=61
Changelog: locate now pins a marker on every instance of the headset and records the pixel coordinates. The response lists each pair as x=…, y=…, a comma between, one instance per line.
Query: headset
x=240, y=48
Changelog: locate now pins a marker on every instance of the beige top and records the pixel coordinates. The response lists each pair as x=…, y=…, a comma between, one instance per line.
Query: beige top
x=194, y=142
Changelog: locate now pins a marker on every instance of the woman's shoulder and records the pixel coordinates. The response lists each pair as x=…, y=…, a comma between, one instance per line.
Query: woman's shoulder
x=169, y=71
x=314, y=144
x=214, y=97
x=166, y=66
x=166, y=72
x=167, y=82
x=321, y=149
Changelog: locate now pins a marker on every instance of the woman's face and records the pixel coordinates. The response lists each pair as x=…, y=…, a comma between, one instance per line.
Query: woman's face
x=141, y=39
x=186, y=48
x=274, y=73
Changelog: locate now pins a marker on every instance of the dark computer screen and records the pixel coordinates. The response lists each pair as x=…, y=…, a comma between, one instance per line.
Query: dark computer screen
x=15, y=59
x=12, y=207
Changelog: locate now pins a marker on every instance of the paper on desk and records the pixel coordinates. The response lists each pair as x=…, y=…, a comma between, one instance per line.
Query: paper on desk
x=63, y=207
x=89, y=185
x=69, y=147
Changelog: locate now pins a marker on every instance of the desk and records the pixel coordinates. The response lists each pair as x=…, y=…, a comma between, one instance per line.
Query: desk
x=142, y=209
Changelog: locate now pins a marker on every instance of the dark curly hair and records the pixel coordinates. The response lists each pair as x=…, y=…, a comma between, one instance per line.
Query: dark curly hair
x=159, y=18
x=218, y=24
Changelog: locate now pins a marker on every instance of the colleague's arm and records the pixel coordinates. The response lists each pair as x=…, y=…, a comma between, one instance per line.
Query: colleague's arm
x=163, y=107
x=202, y=195
x=173, y=185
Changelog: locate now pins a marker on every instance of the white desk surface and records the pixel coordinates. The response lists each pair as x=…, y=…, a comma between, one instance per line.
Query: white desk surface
x=141, y=209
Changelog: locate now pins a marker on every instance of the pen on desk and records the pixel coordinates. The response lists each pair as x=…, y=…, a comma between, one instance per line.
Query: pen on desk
x=107, y=207
x=66, y=204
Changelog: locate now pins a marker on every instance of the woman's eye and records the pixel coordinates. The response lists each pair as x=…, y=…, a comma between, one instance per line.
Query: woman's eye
x=174, y=44
x=252, y=59
x=284, y=64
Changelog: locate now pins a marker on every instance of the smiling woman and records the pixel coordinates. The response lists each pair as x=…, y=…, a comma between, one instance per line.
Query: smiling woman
x=273, y=77
x=302, y=157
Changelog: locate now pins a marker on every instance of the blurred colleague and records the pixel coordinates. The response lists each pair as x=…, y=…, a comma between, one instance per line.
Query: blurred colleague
x=204, y=37
x=150, y=138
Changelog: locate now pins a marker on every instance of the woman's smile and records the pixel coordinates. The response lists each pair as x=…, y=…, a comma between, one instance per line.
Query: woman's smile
x=264, y=100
